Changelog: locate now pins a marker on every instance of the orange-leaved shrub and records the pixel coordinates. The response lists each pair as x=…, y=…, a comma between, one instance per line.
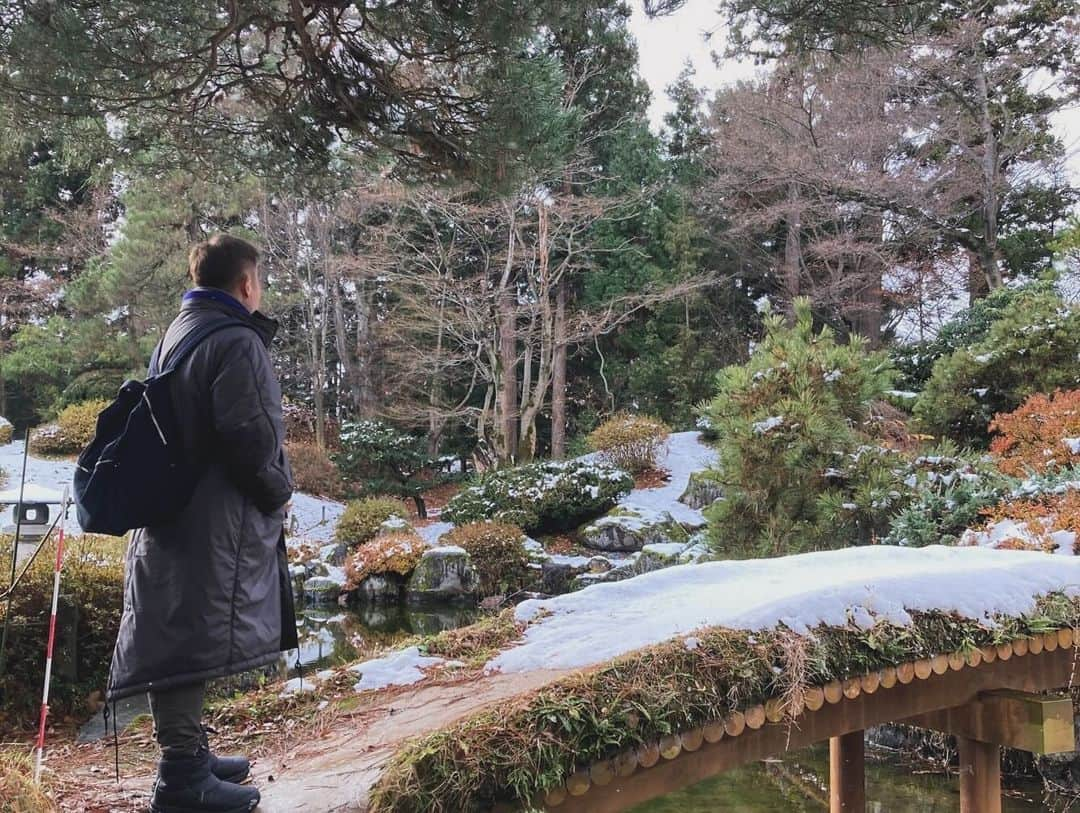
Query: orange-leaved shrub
x=314, y=472
x=497, y=552
x=396, y=553
x=1038, y=519
x=1042, y=435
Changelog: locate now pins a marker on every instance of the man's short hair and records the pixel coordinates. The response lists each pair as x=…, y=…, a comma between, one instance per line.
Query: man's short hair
x=221, y=261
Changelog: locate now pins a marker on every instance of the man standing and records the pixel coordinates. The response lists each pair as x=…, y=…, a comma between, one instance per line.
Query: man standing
x=208, y=594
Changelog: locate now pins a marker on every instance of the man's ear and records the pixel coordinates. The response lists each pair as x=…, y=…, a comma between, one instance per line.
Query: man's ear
x=247, y=284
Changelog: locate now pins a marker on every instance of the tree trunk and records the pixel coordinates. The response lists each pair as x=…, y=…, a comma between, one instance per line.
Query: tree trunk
x=346, y=356
x=988, y=249
x=978, y=286
x=792, y=253
x=869, y=304
x=507, y=324
x=367, y=397
x=558, y=377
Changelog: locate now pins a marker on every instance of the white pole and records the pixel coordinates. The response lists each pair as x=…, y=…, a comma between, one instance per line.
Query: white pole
x=52, y=640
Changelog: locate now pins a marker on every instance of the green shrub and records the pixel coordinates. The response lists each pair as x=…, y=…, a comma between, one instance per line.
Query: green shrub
x=630, y=442
x=73, y=429
x=93, y=385
x=950, y=492
x=313, y=471
x=385, y=460
x=93, y=582
x=361, y=519
x=783, y=421
x=1032, y=346
x=545, y=497
x=914, y=363
x=497, y=552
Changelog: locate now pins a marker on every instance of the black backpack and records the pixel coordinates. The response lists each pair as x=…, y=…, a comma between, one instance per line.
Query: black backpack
x=134, y=473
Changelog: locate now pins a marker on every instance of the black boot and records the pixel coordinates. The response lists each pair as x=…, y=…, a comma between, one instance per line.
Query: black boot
x=186, y=785
x=227, y=769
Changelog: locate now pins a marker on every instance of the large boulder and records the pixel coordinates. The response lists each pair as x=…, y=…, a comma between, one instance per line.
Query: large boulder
x=659, y=555
x=443, y=574
x=380, y=588
x=631, y=528
x=557, y=573
x=701, y=491
x=334, y=553
x=321, y=590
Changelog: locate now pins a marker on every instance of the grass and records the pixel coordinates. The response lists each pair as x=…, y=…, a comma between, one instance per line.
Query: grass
x=477, y=643
x=18, y=793
x=515, y=753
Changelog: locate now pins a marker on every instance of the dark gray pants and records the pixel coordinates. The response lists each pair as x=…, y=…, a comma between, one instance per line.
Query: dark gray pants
x=178, y=719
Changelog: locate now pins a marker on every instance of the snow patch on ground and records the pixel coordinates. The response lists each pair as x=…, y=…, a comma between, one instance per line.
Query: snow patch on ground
x=665, y=549
x=434, y=532
x=685, y=455
x=396, y=669
x=313, y=518
x=880, y=583
x=42, y=476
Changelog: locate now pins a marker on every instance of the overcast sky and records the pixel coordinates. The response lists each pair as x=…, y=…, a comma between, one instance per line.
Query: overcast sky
x=665, y=44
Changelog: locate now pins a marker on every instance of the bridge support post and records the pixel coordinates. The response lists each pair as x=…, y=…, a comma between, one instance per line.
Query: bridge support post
x=847, y=773
x=980, y=776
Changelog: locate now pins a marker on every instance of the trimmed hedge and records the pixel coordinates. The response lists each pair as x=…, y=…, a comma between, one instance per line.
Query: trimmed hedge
x=397, y=553
x=93, y=582
x=546, y=497
x=497, y=552
x=362, y=519
x=313, y=471
x=73, y=429
x=630, y=442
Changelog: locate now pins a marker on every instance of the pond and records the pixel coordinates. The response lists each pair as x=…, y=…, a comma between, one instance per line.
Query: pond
x=332, y=635
x=799, y=784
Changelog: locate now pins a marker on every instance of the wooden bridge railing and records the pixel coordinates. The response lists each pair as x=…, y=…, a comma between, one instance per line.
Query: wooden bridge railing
x=988, y=698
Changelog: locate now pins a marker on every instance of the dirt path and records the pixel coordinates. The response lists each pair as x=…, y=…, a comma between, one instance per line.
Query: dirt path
x=336, y=771
x=330, y=768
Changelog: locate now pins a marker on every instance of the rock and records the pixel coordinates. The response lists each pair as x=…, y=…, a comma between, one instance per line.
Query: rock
x=660, y=555
x=297, y=576
x=321, y=590
x=630, y=528
x=535, y=551
x=702, y=490
x=443, y=574
x=318, y=568
x=334, y=553
x=697, y=551
x=382, y=588
x=558, y=572
x=600, y=564
x=395, y=525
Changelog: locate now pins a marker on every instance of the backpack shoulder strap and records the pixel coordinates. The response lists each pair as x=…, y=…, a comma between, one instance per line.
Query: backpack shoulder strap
x=189, y=342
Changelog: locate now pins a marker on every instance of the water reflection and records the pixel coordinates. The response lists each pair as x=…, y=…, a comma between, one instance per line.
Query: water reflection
x=334, y=635
x=799, y=784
